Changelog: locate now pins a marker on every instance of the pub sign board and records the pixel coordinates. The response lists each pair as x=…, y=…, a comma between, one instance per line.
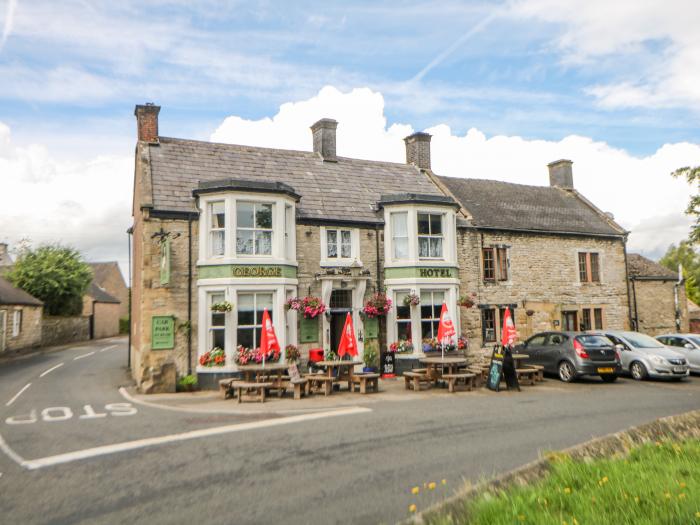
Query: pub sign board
x=371, y=328
x=162, y=332
x=493, y=380
x=308, y=330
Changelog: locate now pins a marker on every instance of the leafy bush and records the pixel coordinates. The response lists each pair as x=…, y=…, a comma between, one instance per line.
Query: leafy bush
x=124, y=325
x=187, y=383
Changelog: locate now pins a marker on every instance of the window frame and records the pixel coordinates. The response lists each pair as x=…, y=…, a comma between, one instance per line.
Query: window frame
x=17, y=323
x=589, y=267
x=211, y=230
x=394, y=236
x=211, y=328
x=495, y=264
x=398, y=301
x=256, y=229
x=435, y=310
x=430, y=235
x=257, y=323
x=484, y=338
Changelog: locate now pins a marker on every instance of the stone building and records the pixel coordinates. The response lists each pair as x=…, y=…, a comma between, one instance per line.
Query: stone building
x=693, y=317
x=658, y=300
x=103, y=310
x=254, y=227
x=108, y=277
x=20, y=318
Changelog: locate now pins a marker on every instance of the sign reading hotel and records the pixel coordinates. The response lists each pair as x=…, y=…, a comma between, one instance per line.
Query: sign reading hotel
x=435, y=272
x=162, y=332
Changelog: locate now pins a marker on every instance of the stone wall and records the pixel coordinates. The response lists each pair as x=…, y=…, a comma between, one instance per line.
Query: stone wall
x=654, y=306
x=30, y=330
x=63, y=330
x=543, y=280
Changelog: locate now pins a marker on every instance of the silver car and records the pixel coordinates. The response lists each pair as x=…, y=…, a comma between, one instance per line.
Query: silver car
x=643, y=356
x=686, y=344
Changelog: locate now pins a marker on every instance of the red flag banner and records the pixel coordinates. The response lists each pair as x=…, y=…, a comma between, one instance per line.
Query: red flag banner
x=348, y=343
x=268, y=338
x=508, y=333
x=446, y=328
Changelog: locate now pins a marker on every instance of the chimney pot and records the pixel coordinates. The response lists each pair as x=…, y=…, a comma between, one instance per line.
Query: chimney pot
x=418, y=150
x=323, y=133
x=560, y=174
x=5, y=259
x=147, y=121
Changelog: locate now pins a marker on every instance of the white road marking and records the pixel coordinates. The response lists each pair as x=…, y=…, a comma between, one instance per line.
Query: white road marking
x=84, y=355
x=34, y=464
x=18, y=394
x=108, y=348
x=59, y=365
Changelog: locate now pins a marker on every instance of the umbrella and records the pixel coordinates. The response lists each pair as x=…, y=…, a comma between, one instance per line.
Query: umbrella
x=348, y=343
x=268, y=338
x=446, y=329
x=508, y=333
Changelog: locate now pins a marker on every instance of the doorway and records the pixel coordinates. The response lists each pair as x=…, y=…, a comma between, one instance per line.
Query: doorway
x=570, y=321
x=340, y=305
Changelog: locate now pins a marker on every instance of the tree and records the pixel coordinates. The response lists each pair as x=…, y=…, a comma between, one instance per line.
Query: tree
x=693, y=177
x=689, y=259
x=55, y=274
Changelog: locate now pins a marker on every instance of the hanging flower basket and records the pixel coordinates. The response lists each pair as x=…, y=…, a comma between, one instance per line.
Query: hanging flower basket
x=310, y=307
x=223, y=306
x=291, y=353
x=214, y=357
x=411, y=299
x=378, y=305
x=467, y=300
x=401, y=347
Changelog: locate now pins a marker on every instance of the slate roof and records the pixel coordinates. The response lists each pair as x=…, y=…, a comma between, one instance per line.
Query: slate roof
x=99, y=295
x=11, y=295
x=346, y=190
x=508, y=206
x=101, y=271
x=641, y=267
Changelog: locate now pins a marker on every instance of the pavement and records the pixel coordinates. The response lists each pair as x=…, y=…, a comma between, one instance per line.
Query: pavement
x=78, y=445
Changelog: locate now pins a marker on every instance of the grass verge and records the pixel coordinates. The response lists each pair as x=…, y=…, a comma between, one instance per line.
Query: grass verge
x=657, y=483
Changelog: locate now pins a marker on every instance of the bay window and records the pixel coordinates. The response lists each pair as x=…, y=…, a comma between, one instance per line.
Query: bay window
x=217, y=228
x=253, y=228
x=217, y=322
x=399, y=232
x=430, y=308
x=250, y=308
x=429, y=235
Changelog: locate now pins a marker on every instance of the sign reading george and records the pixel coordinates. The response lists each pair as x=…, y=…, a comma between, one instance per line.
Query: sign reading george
x=257, y=271
x=162, y=332
x=308, y=330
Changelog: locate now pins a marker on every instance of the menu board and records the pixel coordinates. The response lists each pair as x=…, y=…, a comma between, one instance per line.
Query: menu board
x=493, y=380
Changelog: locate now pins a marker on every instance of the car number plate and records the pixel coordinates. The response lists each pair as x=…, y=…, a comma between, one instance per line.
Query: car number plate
x=606, y=370
x=679, y=369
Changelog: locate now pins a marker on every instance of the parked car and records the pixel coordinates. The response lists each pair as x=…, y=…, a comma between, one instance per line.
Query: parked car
x=686, y=344
x=643, y=356
x=572, y=354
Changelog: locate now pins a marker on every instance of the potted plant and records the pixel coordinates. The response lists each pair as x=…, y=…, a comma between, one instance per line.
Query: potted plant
x=370, y=358
x=310, y=306
x=214, y=357
x=187, y=383
x=378, y=305
x=404, y=346
x=222, y=307
x=411, y=299
x=429, y=345
x=467, y=300
x=291, y=353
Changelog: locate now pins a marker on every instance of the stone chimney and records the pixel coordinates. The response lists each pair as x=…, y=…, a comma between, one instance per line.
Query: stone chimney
x=324, y=138
x=418, y=150
x=5, y=259
x=561, y=174
x=147, y=121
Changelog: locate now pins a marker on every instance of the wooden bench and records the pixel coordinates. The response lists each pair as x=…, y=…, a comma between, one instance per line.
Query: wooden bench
x=318, y=381
x=301, y=387
x=454, y=379
x=226, y=387
x=526, y=376
x=540, y=372
x=363, y=380
x=415, y=380
x=251, y=391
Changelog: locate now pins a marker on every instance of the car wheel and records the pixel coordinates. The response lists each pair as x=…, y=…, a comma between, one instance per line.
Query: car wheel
x=566, y=372
x=638, y=371
x=609, y=378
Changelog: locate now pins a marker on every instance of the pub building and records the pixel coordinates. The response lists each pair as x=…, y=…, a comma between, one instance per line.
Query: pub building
x=222, y=232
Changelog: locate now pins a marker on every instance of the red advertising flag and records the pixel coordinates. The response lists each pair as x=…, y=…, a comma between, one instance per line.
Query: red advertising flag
x=508, y=333
x=268, y=338
x=446, y=329
x=348, y=343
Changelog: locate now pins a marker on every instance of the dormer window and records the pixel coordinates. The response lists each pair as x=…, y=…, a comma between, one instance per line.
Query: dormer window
x=217, y=217
x=253, y=228
x=430, y=235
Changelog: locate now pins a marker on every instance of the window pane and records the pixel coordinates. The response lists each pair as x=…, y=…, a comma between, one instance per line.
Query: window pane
x=244, y=242
x=263, y=215
x=423, y=247
x=598, y=314
x=346, y=244
x=218, y=338
x=582, y=272
x=245, y=310
x=586, y=319
x=435, y=247
x=263, y=242
x=403, y=330
x=595, y=268
x=218, y=215
x=244, y=214
x=399, y=224
x=218, y=242
x=436, y=224
x=423, y=224
x=401, y=248
x=218, y=319
x=489, y=270
x=332, y=241
x=264, y=300
x=217, y=297
x=426, y=328
x=245, y=337
x=502, y=264
x=403, y=312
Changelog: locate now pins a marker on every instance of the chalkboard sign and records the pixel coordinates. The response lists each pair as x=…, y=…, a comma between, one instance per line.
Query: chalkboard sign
x=308, y=329
x=388, y=364
x=493, y=381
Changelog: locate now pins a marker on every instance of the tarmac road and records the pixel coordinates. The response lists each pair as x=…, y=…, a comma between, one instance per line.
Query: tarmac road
x=73, y=450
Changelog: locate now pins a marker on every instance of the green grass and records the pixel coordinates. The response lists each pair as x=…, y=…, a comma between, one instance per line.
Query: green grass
x=655, y=484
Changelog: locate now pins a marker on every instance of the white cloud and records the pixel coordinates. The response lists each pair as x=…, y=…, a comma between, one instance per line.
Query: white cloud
x=9, y=20
x=639, y=191
x=660, y=39
x=84, y=204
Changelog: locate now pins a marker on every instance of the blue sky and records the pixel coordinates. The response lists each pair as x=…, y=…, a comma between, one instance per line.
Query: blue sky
x=619, y=73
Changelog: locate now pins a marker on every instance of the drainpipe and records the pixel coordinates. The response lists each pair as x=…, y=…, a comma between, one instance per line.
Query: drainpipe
x=189, y=294
x=129, y=233
x=627, y=278
x=376, y=242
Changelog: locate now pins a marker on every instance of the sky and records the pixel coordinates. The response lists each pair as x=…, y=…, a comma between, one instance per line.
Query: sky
x=504, y=87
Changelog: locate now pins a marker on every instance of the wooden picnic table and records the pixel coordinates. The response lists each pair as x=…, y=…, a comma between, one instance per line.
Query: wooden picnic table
x=274, y=372
x=517, y=358
x=345, y=370
x=434, y=363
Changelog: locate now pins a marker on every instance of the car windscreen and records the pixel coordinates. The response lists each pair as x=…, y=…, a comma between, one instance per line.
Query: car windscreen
x=593, y=340
x=695, y=340
x=642, y=340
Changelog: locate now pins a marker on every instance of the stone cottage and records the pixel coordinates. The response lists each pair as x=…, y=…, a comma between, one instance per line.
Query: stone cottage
x=109, y=278
x=20, y=318
x=251, y=227
x=658, y=300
